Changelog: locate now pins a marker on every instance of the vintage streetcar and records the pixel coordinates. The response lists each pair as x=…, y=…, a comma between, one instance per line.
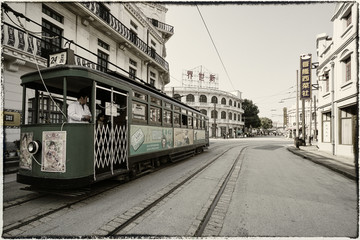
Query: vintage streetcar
x=142, y=128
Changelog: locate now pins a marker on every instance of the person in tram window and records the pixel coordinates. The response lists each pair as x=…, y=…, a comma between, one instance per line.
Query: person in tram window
x=101, y=120
x=78, y=111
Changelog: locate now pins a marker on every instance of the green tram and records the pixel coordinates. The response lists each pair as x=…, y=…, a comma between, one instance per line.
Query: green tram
x=144, y=129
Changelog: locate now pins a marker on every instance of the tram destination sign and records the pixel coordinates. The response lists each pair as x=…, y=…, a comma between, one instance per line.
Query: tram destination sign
x=65, y=56
x=305, y=77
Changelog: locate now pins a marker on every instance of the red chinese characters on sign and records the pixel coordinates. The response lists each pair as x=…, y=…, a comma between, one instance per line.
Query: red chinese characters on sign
x=305, y=77
x=190, y=74
x=201, y=76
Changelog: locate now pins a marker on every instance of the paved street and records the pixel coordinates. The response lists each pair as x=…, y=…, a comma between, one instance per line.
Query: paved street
x=272, y=192
x=280, y=194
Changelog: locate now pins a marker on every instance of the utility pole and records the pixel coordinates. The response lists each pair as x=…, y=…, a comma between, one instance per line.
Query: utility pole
x=297, y=106
x=303, y=131
x=310, y=121
x=315, y=133
x=215, y=128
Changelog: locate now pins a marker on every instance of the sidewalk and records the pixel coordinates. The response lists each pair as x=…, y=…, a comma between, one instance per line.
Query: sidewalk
x=343, y=165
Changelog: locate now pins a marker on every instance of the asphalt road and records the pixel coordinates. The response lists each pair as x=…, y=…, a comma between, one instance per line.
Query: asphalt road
x=280, y=194
x=272, y=193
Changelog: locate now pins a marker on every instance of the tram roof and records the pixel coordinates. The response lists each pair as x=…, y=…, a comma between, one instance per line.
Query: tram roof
x=54, y=80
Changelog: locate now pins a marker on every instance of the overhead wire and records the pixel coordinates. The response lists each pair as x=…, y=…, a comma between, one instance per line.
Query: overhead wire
x=207, y=29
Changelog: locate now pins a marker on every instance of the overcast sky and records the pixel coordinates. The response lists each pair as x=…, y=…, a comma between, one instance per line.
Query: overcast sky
x=260, y=46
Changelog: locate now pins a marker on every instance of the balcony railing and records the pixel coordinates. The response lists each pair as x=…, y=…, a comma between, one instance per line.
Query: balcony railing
x=16, y=38
x=119, y=27
x=163, y=26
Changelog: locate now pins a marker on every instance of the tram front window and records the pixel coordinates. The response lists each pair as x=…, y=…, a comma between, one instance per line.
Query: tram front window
x=42, y=109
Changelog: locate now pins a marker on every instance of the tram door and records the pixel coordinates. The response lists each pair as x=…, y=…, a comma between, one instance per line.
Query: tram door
x=111, y=153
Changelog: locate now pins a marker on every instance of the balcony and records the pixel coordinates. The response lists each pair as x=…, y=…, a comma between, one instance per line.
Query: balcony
x=165, y=29
x=96, y=9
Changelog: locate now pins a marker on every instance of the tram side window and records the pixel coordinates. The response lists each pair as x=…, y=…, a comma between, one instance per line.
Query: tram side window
x=184, y=120
x=195, y=123
x=140, y=95
x=176, y=119
x=167, y=119
x=155, y=101
x=139, y=111
x=155, y=115
x=167, y=105
x=190, y=122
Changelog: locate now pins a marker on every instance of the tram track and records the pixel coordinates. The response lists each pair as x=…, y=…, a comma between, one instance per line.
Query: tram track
x=21, y=224
x=18, y=228
x=131, y=218
x=22, y=200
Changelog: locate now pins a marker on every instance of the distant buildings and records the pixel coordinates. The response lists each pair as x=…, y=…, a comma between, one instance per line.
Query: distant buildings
x=224, y=109
x=338, y=82
x=128, y=38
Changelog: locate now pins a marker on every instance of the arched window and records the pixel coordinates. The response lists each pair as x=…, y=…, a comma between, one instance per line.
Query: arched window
x=223, y=115
x=177, y=96
x=190, y=98
x=230, y=102
x=214, y=99
x=203, y=98
x=203, y=111
x=239, y=118
x=214, y=114
x=234, y=116
x=234, y=103
x=223, y=101
x=230, y=116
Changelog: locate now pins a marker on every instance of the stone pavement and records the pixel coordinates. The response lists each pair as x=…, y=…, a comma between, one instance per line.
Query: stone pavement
x=343, y=165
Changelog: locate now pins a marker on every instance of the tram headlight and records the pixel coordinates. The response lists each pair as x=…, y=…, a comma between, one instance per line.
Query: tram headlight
x=33, y=147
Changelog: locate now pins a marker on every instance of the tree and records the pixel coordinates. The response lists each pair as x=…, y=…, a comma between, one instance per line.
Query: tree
x=251, y=114
x=266, y=123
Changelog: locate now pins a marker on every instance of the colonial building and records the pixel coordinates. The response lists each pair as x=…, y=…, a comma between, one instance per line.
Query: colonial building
x=126, y=38
x=224, y=109
x=338, y=82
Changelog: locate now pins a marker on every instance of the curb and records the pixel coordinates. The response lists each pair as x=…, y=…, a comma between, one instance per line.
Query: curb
x=333, y=168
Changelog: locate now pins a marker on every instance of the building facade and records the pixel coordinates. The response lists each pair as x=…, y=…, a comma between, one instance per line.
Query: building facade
x=126, y=38
x=224, y=109
x=338, y=83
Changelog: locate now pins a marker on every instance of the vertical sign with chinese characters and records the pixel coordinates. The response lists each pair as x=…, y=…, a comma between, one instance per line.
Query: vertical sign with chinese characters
x=305, y=77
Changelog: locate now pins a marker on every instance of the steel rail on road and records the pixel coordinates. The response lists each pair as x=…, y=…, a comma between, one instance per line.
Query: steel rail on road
x=114, y=232
x=211, y=209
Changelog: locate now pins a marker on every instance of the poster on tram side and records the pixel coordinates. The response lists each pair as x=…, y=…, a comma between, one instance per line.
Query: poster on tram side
x=145, y=139
x=54, y=151
x=199, y=136
x=25, y=156
x=183, y=137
